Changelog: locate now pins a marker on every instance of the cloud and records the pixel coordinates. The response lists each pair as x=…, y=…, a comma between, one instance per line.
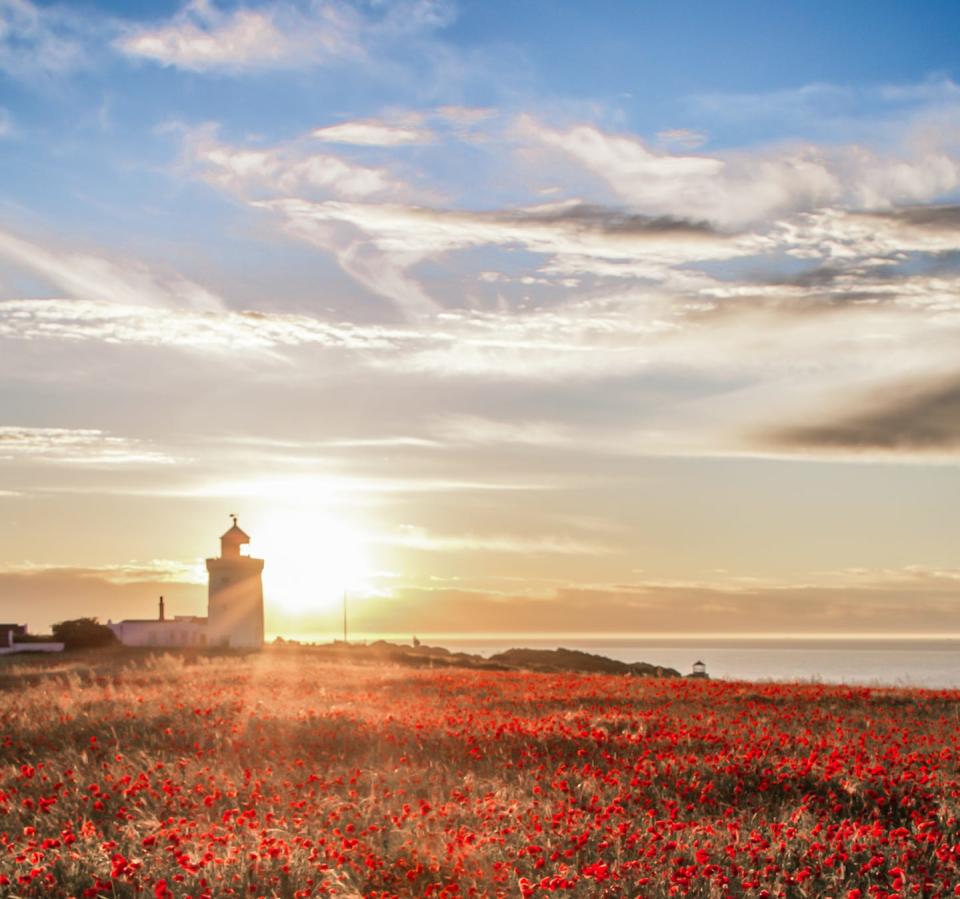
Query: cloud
x=899, y=257
x=750, y=186
x=685, y=229
x=39, y=42
x=744, y=350
x=682, y=138
x=750, y=321
x=193, y=330
x=374, y=133
x=903, y=419
x=472, y=345
x=287, y=169
x=77, y=446
x=831, y=108
x=855, y=240
x=393, y=238
x=130, y=572
x=411, y=537
x=201, y=37
x=97, y=278
x=379, y=241
x=907, y=602
x=465, y=118
x=818, y=99
x=781, y=344
x=374, y=443
x=324, y=489
x=578, y=440
x=944, y=218
x=6, y=123
x=472, y=430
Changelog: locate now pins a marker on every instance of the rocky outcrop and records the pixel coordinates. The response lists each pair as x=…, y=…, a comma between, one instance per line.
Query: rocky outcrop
x=577, y=660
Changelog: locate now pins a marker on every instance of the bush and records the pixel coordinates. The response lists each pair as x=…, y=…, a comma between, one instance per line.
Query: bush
x=83, y=633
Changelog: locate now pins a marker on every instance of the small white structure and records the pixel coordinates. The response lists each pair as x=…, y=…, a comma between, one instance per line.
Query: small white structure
x=234, y=606
x=9, y=644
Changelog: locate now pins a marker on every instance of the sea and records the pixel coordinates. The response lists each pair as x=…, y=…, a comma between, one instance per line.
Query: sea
x=897, y=662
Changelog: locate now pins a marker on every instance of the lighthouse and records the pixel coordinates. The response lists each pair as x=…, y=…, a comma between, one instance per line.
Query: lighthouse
x=235, y=594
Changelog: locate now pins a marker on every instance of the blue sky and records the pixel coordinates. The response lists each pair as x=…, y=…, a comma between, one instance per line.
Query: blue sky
x=502, y=313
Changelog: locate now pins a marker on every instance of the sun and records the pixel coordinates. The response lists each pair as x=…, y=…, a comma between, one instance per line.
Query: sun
x=311, y=560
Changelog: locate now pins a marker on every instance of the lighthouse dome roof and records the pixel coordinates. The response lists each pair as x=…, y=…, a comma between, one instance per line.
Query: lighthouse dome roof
x=236, y=535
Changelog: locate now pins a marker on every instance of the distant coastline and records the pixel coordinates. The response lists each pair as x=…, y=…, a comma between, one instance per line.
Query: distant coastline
x=418, y=656
x=900, y=661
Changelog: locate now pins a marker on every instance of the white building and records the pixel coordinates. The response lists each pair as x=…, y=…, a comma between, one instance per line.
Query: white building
x=234, y=606
x=181, y=630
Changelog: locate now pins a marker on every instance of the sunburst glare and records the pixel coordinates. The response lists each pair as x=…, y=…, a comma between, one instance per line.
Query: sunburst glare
x=315, y=557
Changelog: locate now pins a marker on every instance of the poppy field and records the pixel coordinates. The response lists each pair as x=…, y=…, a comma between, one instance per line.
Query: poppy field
x=278, y=775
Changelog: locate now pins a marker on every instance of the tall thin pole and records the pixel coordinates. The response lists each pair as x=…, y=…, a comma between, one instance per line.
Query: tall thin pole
x=344, y=616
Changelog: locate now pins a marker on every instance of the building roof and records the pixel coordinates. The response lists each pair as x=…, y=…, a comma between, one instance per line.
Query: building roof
x=236, y=534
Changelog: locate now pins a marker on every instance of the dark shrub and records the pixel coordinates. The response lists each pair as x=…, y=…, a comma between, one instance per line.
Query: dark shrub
x=83, y=633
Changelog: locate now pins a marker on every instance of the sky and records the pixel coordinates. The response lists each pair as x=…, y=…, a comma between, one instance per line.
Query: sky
x=505, y=318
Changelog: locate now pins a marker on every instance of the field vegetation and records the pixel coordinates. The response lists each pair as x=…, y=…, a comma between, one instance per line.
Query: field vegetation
x=278, y=774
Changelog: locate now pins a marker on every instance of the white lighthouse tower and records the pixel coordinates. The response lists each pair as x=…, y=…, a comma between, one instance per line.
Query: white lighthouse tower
x=235, y=595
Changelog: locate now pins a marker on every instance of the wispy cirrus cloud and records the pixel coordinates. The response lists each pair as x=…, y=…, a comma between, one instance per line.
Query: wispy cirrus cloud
x=387, y=240
x=472, y=430
x=76, y=320
x=405, y=130
x=911, y=601
x=326, y=488
x=72, y=446
x=40, y=42
x=100, y=278
x=754, y=333
x=465, y=118
x=681, y=138
x=413, y=537
x=833, y=110
x=134, y=571
x=202, y=37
